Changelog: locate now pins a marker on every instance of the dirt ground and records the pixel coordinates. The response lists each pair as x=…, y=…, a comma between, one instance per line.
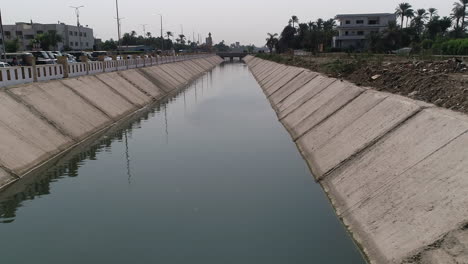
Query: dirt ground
x=443, y=82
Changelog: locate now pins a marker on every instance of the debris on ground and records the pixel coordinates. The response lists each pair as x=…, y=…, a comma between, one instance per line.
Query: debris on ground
x=440, y=82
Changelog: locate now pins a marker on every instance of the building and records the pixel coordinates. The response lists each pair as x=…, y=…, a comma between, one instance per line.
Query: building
x=354, y=29
x=71, y=35
x=209, y=40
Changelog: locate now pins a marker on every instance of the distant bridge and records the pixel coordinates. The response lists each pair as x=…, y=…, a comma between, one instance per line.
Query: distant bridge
x=232, y=55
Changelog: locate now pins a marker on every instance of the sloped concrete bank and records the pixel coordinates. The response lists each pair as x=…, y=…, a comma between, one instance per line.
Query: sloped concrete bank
x=42, y=120
x=395, y=169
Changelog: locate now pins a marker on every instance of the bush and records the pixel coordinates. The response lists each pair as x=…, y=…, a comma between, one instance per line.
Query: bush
x=452, y=47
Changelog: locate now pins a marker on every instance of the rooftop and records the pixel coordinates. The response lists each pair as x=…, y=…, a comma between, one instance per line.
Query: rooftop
x=364, y=15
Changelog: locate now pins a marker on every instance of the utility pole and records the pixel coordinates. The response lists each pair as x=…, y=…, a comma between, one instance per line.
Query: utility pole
x=3, y=38
x=118, y=25
x=77, y=11
x=162, y=36
x=144, y=29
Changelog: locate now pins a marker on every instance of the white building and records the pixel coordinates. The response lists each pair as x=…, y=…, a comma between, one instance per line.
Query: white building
x=354, y=28
x=71, y=35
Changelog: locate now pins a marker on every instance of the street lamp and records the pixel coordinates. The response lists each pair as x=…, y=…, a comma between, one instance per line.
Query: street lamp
x=77, y=11
x=3, y=38
x=118, y=25
x=162, y=36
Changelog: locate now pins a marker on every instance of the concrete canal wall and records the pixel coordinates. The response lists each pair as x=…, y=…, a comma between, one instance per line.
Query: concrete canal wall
x=395, y=169
x=41, y=120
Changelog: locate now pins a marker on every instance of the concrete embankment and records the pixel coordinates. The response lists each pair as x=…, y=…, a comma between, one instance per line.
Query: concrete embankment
x=41, y=120
x=395, y=169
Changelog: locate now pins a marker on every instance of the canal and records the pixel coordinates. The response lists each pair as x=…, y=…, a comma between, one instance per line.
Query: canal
x=210, y=176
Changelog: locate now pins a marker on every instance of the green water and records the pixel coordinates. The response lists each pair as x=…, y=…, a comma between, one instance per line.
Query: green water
x=210, y=176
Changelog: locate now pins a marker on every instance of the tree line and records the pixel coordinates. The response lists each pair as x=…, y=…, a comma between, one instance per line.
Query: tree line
x=423, y=30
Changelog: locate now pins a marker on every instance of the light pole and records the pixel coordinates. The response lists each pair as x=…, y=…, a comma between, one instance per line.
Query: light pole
x=118, y=25
x=162, y=36
x=77, y=11
x=144, y=29
x=3, y=37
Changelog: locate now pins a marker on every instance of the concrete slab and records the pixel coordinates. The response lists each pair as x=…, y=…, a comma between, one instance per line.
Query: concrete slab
x=360, y=134
x=264, y=69
x=325, y=131
x=326, y=107
x=279, y=83
x=437, y=257
x=20, y=120
x=289, y=88
x=6, y=178
x=170, y=75
x=270, y=74
x=177, y=72
x=261, y=68
x=202, y=64
x=319, y=101
x=100, y=95
x=124, y=88
x=191, y=67
x=302, y=95
x=144, y=84
x=26, y=139
x=160, y=78
x=194, y=65
x=396, y=195
x=63, y=107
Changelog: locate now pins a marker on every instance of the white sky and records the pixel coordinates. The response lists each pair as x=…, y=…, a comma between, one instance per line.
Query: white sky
x=246, y=21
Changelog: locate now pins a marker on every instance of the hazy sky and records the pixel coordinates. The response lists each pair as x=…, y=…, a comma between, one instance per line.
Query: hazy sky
x=246, y=21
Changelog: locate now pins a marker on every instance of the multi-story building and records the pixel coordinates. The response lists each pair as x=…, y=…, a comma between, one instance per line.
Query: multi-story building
x=72, y=37
x=354, y=29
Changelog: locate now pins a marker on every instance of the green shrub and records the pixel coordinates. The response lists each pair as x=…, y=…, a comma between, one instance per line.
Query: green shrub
x=427, y=44
x=452, y=47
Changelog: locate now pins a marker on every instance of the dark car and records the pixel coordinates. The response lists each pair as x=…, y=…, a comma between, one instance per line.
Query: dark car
x=42, y=57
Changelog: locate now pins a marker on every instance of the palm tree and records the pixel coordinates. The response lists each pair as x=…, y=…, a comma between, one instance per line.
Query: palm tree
x=148, y=34
x=419, y=20
x=432, y=12
x=272, y=41
x=409, y=15
x=169, y=35
x=457, y=14
x=401, y=11
x=462, y=4
x=182, y=39
x=294, y=20
x=422, y=14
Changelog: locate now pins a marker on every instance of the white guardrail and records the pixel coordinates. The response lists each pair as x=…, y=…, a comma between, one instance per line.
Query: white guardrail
x=27, y=74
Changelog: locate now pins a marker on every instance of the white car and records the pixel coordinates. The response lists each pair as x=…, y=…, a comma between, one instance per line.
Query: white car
x=4, y=65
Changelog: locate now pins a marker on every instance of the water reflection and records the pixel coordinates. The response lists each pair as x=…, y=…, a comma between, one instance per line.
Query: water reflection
x=39, y=183
x=127, y=156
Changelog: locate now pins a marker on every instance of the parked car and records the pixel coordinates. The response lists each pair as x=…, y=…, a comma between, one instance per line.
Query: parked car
x=79, y=54
x=52, y=56
x=71, y=58
x=57, y=54
x=42, y=57
x=20, y=59
x=4, y=65
x=403, y=51
x=96, y=54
